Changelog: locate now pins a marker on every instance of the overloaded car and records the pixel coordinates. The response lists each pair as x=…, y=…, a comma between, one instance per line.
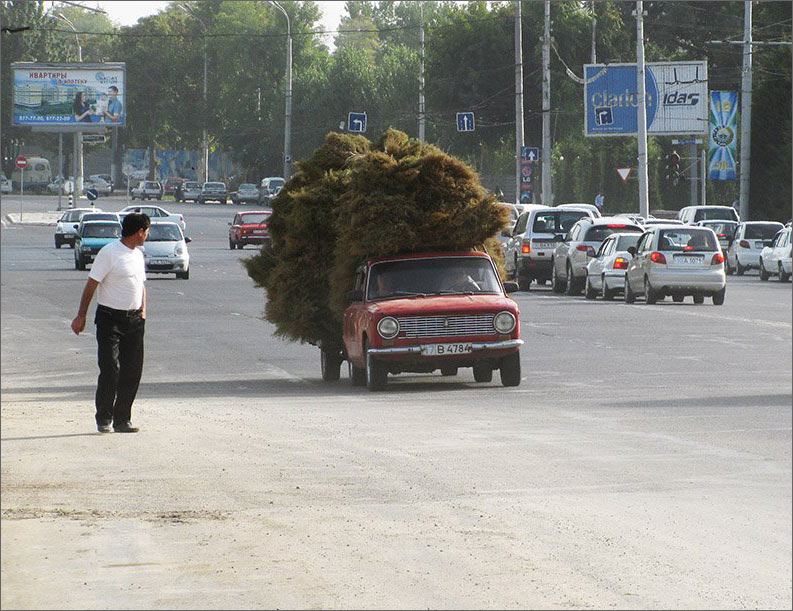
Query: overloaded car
x=165, y=250
x=245, y=193
x=92, y=237
x=676, y=260
x=66, y=226
x=147, y=189
x=605, y=272
x=249, y=228
x=775, y=260
x=428, y=311
x=213, y=192
x=155, y=213
x=749, y=240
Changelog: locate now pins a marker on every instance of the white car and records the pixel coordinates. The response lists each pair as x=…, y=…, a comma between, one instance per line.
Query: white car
x=605, y=272
x=101, y=186
x=66, y=227
x=147, y=189
x=165, y=250
x=776, y=259
x=579, y=206
x=747, y=243
x=155, y=213
x=5, y=184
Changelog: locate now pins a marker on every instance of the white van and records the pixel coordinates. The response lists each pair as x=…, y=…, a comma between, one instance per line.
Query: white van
x=691, y=215
x=37, y=174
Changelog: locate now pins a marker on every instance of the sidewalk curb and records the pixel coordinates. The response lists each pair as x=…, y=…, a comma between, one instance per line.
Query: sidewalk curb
x=32, y=218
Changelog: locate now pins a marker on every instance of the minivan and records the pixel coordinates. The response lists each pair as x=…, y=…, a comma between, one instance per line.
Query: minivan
x=691, y=215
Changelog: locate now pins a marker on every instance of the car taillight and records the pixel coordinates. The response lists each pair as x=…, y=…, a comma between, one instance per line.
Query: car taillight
x=658, y=257
x=620, y=263
x=616, y=225
x=264, y=225
x=525, y=248
x=744, y=244
x=717, y=259
x=722, y=235
x=582, y=247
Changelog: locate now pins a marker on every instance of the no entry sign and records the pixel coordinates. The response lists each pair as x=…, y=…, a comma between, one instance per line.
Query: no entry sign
x=22, y=162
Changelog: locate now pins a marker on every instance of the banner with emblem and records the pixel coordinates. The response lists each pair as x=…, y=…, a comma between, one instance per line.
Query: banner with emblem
x=723, y=139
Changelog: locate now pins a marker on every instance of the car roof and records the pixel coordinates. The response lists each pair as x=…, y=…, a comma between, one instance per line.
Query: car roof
x=255, y=212
x=430, y=255
x=101, y=222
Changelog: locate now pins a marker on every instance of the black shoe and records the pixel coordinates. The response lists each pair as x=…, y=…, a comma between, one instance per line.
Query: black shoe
x=104, y=428
x=125, y=428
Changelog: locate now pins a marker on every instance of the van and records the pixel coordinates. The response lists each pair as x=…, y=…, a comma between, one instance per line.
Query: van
x=37, y=175
x=269, y=188
x=537, y=232
x=691, y=215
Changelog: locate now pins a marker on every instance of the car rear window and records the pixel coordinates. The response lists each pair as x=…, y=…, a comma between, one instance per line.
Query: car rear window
x=102, y=231
x=253, y=219
x=598, y=233
x=214, y=185
x=626, y=241
x=247, y=186
x=687, y=239
x=152, y=185
x=705, y=214
x=761, y=232
x=556, y=221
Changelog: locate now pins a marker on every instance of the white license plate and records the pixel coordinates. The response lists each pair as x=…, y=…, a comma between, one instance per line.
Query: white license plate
x=444, y=349
x=259, y=231
x=544, y=245
x=689, y=260
x=758, y=245
x=159, y=261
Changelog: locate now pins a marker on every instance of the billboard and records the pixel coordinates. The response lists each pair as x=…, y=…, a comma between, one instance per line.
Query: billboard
x=723, y=140
x=63, y=95
x=676, y=99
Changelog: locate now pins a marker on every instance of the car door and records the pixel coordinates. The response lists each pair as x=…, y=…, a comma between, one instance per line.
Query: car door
x=779, y=249
x=514, y=243
x=353, y=325
x=636, y=266
x=595, y=265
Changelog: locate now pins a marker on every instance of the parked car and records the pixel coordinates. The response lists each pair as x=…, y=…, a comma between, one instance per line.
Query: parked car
x=269, y=188
x=775, y=260
x=55, y=185
x=724, y=230
x=249, y=228
x=92, y=237
x=213, y=192
x=101, y=186
x=188, y=191
x=5, y=184
x=155, y=213
x=748, y=242
x=246, y=192
x=165, y=250
x=605, y=272
x=571, y=255
x=590, y=207
x=529, y=252
x=106, y=177
x=170, y=184
x=423, y=312
x=147, y=189
x=690, y=215
x=678, y=261
x=65, y=230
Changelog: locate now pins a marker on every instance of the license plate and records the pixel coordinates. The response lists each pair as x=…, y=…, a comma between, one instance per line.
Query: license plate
x=544, y=245
x=259, y=231
x=444, y=349
x=758, y=244
x=689, y=260
x=158, y=261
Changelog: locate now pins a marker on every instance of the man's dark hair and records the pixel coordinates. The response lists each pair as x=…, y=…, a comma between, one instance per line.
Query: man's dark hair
x=114, y=88
x=133, y=223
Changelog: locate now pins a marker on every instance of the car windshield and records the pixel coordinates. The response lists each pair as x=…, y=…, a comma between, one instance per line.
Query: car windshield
x=432, y=276
x=102, y=231
x=254, y=219
x=765, y=231
x=247, y=187
x=626, y=241
x=107, y=216
x=164, y=233
x=598, y=233
x=714, y=213
x=556, y=221
x=686, y=239
x=151, y=185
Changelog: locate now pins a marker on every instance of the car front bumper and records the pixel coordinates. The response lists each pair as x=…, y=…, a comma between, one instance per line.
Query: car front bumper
x=423, y=349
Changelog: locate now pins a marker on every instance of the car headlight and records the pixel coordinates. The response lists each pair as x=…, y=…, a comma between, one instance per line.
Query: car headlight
x=178, y=251
x=85, y=248
x=388, y=327
x=504, y=322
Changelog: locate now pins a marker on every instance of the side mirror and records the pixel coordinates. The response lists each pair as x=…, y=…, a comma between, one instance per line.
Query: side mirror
x=510, y=286
x=591, y=253
x=76, y=226
x=187, y=240
x=632, y=250
x=355, y=295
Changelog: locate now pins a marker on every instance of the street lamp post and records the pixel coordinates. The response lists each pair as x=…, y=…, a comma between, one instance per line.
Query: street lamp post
x=288, y=117
x=78, y=136
x=204, y=136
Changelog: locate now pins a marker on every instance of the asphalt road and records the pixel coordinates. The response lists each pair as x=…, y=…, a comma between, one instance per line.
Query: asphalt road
x=643, y=462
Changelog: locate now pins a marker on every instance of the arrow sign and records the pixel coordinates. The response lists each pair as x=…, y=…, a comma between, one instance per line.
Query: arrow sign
x=530, y=153
x=623, y=172
x=465, y=122
x=357, y=122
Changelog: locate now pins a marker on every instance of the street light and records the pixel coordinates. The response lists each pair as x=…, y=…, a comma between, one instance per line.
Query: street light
x=205, y=139
x=288, y=118
x=78, y=135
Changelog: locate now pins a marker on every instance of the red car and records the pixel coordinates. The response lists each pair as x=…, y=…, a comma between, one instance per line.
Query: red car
x=429, y=311
x=249, y=228
x=171, y=184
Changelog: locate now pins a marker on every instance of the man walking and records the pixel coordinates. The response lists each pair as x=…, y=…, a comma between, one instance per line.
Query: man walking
x=599, y=201
x=117, y=276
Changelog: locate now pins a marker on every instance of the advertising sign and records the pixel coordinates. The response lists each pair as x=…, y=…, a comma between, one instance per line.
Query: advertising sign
x=676, y=101
x=48, y=95
x=723, y=135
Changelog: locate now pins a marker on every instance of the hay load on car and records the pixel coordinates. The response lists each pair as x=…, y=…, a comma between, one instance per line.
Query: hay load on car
x=352, y=200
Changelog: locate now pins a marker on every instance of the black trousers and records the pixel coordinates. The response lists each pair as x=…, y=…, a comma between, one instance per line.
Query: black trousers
x=119, y=336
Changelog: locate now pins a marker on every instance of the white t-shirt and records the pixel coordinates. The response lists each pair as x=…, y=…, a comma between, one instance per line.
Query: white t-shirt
x=120, y=272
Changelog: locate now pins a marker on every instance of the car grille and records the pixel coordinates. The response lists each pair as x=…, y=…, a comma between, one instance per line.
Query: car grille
x=445, y=326
x=159, y=266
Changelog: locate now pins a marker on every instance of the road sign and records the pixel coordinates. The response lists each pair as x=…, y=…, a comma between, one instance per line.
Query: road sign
x=92, y=194
x=465, y=122
x=624, y=172
x=530, y=153
x=356, y=122
x=94, y=138
x=22, y=162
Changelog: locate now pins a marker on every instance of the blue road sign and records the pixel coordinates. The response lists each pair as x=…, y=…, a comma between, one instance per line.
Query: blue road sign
x=92, y=194
x=465, y=122
x=529, y=153
x=356, y=122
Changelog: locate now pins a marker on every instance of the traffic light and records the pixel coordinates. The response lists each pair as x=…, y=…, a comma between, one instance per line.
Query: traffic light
x=673, y=167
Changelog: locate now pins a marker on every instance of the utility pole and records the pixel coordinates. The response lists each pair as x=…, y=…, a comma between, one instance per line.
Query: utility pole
x=518, y=99
x=644, y=196
x=421, y=72
x=547, y=188
x=288, y=111
x=693, y=158
x=746, y=112
x=594, y=55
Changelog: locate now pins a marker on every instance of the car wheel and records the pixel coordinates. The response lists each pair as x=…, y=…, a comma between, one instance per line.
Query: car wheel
x=330, y=363
x=556, y=283
x=376, y=372
x=678, y=298
x=223, y=202
x=79, y=264
x=510, y=370
x=571, y=287
x=57, y=243
x=240, y=245
x=605, y=292
x=630, y=296
x=718, y=298
x=728, y=269
x=159, y=197
x=739, y=269
x=541, y=280
x=763, y=274
x=699, y=298
x=357, y=375
x=185, y=275
x=650, y=296
x=483, y=372
x=589, y=291
x=783, y=277
x=449, y=370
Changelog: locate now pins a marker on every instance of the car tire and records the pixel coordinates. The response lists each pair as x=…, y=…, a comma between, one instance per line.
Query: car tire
x=159, y=197
x=449, y=370
x=606, y=293
x=678, y=298
x=763, y=274
x=79, y=264
x=240, y=245
x=510, y=370
x=728, y=269
x=699, y=298
x=556, y=283
x=650, y=296
x=630, y=296
x=571, y=287
x=330, y=363
x=589, y=291
x=185, y=275
x=376, y=372
x=356, y=374
x=223, y=201
x=483, y=372
x=739, y=269
x=718, y=298
x=524, y=282
x=57, y=243
x=783, y=277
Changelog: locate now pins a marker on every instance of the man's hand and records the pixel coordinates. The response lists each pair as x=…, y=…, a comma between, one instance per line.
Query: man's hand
x=78, y=324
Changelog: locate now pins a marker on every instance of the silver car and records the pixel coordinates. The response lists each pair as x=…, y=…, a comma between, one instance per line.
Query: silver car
x=571, y=256
x=155, y=213
x=724, y=230
x=165, y=250
x=678, y=261
x=605, y=272
x=748, y=242
x=776, y=258
x=190, y=191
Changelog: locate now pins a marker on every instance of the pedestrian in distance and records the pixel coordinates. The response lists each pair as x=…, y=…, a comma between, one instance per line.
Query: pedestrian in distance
x=117, y=277
x=599, y=201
